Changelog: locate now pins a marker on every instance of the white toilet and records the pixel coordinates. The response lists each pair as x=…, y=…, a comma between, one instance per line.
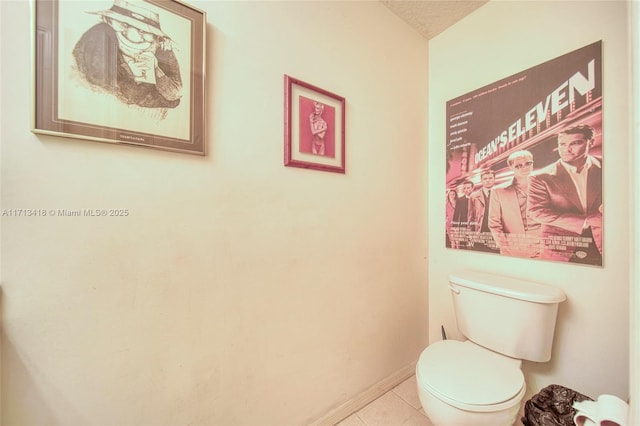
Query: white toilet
x=479, y=382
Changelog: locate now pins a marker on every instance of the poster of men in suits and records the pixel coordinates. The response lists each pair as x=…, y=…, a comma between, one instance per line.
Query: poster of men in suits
x=524, y=163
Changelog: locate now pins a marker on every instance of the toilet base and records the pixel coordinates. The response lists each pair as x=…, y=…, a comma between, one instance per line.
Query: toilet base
x=442, y=414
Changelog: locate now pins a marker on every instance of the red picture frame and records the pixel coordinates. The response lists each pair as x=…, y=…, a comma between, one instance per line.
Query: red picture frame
x=314, y=127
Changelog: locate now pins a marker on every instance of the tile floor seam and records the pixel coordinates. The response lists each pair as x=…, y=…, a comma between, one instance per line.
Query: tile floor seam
x=399, y=406
x=402, y=398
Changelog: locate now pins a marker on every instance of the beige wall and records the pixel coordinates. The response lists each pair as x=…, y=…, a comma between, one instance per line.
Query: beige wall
x=237, y=291
x=634, y=299
x=592, y=335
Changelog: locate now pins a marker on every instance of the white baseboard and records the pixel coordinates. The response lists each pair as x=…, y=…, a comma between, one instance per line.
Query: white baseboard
x=364, y=398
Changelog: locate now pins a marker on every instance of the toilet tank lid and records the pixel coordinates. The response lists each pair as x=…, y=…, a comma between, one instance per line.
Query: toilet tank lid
x=507, y=286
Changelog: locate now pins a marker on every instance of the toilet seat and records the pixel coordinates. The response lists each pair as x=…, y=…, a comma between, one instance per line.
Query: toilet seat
x=470, y=377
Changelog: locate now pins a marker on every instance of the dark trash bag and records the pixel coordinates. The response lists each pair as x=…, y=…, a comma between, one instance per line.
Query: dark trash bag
x=552, y=406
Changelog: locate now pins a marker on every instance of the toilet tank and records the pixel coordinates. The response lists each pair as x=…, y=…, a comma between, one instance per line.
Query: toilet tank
x=511, y=316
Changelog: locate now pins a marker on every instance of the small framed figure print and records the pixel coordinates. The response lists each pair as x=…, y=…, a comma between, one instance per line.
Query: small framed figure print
x=314, y=127
x=120, y=71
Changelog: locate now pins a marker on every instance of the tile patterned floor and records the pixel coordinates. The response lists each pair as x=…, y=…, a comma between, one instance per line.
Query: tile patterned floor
x=398, y=407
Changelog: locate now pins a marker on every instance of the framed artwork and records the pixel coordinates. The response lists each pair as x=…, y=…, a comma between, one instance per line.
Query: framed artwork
x=128, y=72
x=513, y=150
x=314, y=127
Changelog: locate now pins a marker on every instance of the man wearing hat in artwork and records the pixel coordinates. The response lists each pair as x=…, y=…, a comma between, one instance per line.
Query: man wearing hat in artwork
x=128, y=55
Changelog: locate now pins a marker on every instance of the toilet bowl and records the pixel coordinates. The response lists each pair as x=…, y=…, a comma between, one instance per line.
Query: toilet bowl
x=464, y=384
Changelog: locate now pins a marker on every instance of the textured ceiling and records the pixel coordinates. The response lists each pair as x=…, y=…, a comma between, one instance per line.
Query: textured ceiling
x=431, y=17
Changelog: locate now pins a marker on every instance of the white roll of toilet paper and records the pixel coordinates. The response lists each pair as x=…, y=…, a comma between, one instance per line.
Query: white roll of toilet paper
x=608, y=410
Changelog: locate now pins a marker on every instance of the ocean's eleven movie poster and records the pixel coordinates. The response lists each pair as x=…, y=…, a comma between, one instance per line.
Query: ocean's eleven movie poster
x=524, y=163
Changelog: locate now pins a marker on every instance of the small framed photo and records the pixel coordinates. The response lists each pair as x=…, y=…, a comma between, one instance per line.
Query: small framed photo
x=314, y=127
x=121, y=71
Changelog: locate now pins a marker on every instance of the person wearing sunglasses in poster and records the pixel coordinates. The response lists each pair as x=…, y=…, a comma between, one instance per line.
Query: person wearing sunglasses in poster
x=128, y=55
x=566, y=198
x=511, y=226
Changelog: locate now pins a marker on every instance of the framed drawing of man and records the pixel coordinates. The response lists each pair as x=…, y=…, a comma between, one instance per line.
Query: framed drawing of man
x=121, y=71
